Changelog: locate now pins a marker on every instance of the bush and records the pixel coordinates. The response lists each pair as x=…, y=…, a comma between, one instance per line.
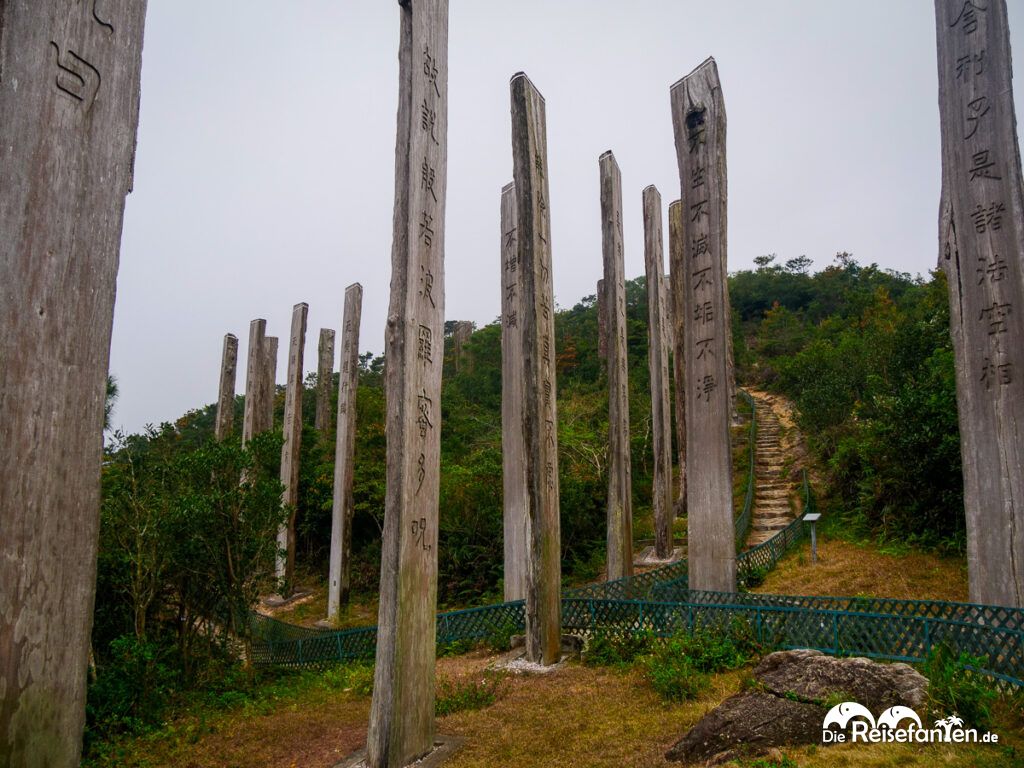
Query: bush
x=616, y=650
x=462, y=695
x=954, y=689
x=672, y=675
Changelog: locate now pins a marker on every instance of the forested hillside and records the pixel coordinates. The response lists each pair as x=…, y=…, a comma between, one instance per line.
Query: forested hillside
x=864, y=353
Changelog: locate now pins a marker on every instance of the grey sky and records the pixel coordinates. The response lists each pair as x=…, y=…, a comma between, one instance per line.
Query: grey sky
x=265, y=165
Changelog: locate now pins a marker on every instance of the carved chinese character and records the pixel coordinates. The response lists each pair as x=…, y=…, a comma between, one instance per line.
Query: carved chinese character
x=986, y=218
x=76, y=77
x=538, y=164
x=995, y=316
x=424, y=344
x=421, y=471
x=695, y=128
x=704, y=313
x=512, y=319
x=700, y=245
x=547, y=392
x=419, y=534
x=430, y=69
x=427, y=284
x=704, y=349
x=512, y=264
x=705, y=387
x=426, y=232
x=699, y=209
x=992, y=373
x=427, y=178
x=549, y=431
x=697, y=177
x=994, y=271
x=703, y=278
x=968, y=16
x=982, y=167
x=970, y=66
x=428, y=120
x=977, y=109
x=510, y=292
x=424, y=405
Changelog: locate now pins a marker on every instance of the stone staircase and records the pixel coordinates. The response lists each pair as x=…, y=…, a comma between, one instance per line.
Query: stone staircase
x=772, y=511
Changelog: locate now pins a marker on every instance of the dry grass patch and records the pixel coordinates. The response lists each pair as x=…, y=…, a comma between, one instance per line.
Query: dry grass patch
x=853, y=569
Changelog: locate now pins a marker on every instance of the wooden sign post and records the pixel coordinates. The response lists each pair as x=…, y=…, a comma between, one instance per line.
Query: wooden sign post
x=698, y=116
x=69, y=99
x=981, y=249
x=402, y=713
x=226, y=392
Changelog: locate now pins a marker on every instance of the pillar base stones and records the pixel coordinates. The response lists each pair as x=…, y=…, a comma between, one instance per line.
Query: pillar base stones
x=648, y=557
x=444, y=748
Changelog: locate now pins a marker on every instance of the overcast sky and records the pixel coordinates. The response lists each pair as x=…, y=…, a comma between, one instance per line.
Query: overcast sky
x=265, y=166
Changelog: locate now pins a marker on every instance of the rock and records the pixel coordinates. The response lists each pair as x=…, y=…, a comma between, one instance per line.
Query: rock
x=814, y=676
x=749, y=724
x=789, y=706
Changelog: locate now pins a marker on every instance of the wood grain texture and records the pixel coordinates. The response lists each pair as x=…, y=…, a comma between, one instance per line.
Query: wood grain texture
x=255, y=358
x=267, y=393
x=291, y=447
x=678, y=308
x=69, y=100
x=981, y=249
x=540, y=413
x=340, y=564
x=402, y=711
x=602, y=322
x=324, y=380
x=225, y=418
x=620, y=485
x=657, y=363
x=515, y=495
x=698, y=116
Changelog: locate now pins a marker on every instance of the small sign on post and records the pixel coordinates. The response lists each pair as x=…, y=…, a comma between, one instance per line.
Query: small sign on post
x=812, y=518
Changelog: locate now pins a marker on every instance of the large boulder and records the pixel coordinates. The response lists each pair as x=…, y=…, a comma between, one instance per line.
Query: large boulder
x=786, y=704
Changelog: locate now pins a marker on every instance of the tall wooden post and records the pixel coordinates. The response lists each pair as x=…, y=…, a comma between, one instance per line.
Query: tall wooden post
x=698, y=116
x=324, y=380
x=226, y=392
x=540, y=414
x=678, y=314
x=981, y=239
x=340, y=571
x=69, y=96
x=620, y=484
x=291, y=447
x=657, y=360
x=515, y=497
x=602, y=322
x=252, y=417
x=402, y=713
x=268, y=385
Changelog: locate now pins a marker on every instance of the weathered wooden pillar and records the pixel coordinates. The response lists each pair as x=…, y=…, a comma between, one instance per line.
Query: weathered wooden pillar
x=620, y=484
x=981, y=239
x=698, y=116
x=324, y=380
x=678, y=314
x=540, y=414
x=657, y=360
x=226, y=393
x=402, y=713
x=461, y=333
x=340, y=571
x=268, y=385
x=515, y=497
x=290, y=448
x=69, y=95
x=602, y=322
x=252, y=417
